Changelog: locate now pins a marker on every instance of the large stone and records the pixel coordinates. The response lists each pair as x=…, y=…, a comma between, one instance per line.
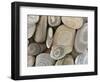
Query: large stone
x=81, y=39
x=32, y=19
x=35, y=48
x=31, y=30
x=68, y=60
x=82, y=59
x=62, y=42
x=44, y=59
x=41, y=31
x=73, y=22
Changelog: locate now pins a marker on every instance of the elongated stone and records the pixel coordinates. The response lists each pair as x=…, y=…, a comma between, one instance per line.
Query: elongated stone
x=81, y=40
x=30, y=61
x=35, y=48
x=40, y=34
x=68, y=60
x=44, y=59
x=62, y=42
x=49, y=39
x=32, y=19
x=73, y=22
x=82, y=59
x=54, y=20
x=30, y=30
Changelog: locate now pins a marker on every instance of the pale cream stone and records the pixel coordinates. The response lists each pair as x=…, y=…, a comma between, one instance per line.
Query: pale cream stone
x=49, y=39
x=73, y=22
x=63, y=42
x=40, y=35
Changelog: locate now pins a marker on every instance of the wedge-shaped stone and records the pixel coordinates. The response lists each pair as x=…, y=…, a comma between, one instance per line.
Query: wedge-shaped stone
x=82, y=59
x=68, y=60
x=73, y=22
x=81, y=40
x=49, y=39
x=62, y=42
x=40, y=34
x=44, y=59
x=35, y=48
x=54, y=21
x=30, y=61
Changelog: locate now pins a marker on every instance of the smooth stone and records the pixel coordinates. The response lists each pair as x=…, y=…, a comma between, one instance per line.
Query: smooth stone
x=62, y=42
x=32, y=19
x=73, y=22
x=49, y=39
x=81, y=39
x=35, y=48
x=54, y=21
x=31, y=30
x=44, y=59
x=68, y=60
x=82, y=59
x=41, y=31
x=30, y=61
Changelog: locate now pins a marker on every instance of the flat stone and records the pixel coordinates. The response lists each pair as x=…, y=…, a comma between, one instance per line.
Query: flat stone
x=44, y=59
x=63, y=42
x=54, y=21
x=81, y=39
x=40, y=35
x=68, y=60
x=82, y=59
x=35, y=48
x=30, y=61
x=49, y=39
x=32, y=19
x=72, y=22
x=31, y=30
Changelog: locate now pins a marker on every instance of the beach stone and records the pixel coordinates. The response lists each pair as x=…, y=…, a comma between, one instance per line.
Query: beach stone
x=32, y=19
x=44, y=59
x=81, y=39
x=40, y=35
x=49, y=39
x=72, y=22
x=54, y=21
x=30, y=61
x=63, y=42
x=68, y=60
x=35, y=48
x=82, y=59
x=30, y=30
